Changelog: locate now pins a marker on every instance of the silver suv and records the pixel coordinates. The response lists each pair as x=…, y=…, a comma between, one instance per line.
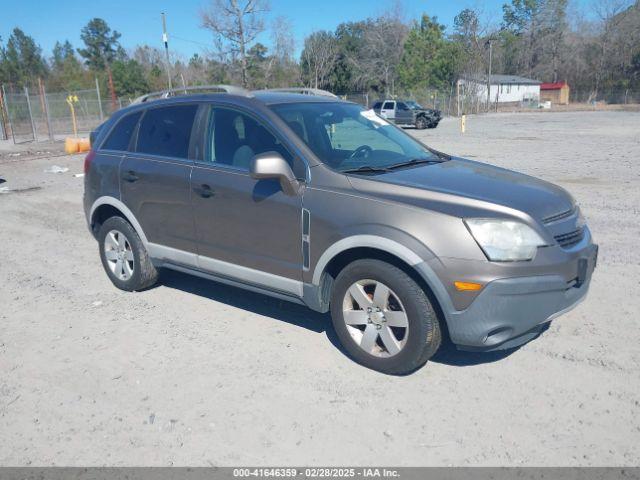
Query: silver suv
x=318, y=201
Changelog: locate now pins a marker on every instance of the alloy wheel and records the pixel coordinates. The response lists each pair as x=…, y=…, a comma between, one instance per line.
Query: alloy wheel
x=375, y=318
x=119, y=255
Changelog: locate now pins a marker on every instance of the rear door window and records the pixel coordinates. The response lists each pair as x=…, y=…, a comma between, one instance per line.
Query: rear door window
x=388, y=106
x=166, y=131
x=120, y=136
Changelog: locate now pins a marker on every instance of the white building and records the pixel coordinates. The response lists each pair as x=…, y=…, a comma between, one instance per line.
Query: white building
x=503, y=88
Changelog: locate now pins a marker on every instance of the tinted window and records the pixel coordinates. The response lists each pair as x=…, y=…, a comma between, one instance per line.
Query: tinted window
x=235, y=138
x=388, y=106
x=121, y=134
x=402, y=106
x=166, y=131
x=377, y=105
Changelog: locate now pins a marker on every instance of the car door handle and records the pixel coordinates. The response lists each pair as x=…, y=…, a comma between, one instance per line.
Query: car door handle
x=130, y=176
x=205, y=191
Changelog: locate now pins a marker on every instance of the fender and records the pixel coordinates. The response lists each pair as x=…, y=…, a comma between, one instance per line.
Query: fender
x=114, y=202
x=407, y=255
x=372, y=241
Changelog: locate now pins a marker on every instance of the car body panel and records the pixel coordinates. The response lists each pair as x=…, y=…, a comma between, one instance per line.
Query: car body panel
x=247, y=222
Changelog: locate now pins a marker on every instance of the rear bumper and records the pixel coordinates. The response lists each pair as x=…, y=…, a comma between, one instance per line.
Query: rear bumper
x=511, y=311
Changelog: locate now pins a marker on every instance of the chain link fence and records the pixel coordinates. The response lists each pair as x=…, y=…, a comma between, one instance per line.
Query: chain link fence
x=465, y=100
x=428, y=98
x=32, y=114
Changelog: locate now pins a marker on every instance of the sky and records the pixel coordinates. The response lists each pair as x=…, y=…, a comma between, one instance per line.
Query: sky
x=139, y=21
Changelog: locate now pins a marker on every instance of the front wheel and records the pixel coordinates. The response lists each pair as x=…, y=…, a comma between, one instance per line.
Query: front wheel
x=421, y=123
x=383, y=318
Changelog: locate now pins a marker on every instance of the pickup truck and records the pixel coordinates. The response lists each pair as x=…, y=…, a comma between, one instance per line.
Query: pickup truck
x=407, y=113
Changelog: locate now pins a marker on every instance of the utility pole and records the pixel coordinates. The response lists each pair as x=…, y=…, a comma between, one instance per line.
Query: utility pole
x=489, y=76
x=165, y=39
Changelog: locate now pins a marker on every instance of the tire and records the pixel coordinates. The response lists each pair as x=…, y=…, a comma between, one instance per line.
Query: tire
x=416, y=343
x=421, y=123
x=135, y=270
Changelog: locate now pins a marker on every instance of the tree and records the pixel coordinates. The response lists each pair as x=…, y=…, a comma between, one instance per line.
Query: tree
x=318, y=58
x=523, y=20
x=21, y=59
x=257, y=65
x=428, y=59
x=377, y=63
x=472, y=40
x=129, y=78
x=349, y=44
x=101, y=49
x=67, y=72
x=235, y=25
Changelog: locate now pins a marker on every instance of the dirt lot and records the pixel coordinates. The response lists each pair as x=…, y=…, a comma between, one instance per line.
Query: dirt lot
x=196, y=373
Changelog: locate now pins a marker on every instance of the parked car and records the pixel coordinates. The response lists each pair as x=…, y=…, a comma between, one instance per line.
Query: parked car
x=318, y=201
x=407, y=113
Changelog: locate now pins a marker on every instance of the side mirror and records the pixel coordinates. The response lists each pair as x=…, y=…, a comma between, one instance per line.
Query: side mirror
x=272, y=165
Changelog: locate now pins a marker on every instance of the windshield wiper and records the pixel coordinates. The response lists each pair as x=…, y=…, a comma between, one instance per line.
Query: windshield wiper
x=413, y=161
x=366, y=168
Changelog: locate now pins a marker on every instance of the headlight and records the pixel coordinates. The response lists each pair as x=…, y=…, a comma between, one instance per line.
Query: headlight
x=504, y=240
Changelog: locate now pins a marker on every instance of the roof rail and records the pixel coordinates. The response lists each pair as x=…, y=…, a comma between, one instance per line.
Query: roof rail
x=231, y=89
x=303, y=91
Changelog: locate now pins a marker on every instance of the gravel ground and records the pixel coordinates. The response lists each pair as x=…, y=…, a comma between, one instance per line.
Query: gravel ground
x=196, y=373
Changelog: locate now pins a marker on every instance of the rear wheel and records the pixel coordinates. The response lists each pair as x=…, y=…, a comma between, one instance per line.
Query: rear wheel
x=383, y=318
x=124, y=257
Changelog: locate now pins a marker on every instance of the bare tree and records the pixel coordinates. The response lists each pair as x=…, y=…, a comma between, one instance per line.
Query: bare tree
x=377, y=64
x=235, y=25
x=318, y=57
x=283, y=43
x=608, y=11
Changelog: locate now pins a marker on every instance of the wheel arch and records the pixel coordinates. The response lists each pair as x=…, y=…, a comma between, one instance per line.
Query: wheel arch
x=340, y=254
x=106, y=207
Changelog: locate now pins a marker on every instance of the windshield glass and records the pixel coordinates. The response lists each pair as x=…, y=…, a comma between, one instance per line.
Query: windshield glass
x=346, y=137
x=413, y=105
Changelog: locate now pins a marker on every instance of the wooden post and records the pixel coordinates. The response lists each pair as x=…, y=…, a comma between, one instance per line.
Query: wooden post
x=4, y=133
x=45, y=108
x=99, y=100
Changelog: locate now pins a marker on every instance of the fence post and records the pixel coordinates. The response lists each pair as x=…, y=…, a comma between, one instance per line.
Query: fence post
x=45, y=107
x=33, y=125
x=99, y=100
x=4, y=135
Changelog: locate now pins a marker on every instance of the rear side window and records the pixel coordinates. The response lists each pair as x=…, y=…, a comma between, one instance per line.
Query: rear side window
x=388, y=106
x=166, y=131
x=377, y=105
x=120, y=136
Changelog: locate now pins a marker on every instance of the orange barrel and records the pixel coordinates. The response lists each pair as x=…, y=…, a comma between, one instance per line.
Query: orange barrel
x=71, y=145
x=84, y=145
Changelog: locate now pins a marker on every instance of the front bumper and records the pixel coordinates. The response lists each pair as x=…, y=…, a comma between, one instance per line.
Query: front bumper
x=511, y=311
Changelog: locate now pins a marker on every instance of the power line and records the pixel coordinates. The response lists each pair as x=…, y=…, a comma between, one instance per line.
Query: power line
x=192, y=41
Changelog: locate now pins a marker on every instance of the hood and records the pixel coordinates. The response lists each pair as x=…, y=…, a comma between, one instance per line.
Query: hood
x=470, y=180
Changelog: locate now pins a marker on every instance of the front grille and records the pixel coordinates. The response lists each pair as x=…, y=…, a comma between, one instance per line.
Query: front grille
x=567, y=240
x=558, y=216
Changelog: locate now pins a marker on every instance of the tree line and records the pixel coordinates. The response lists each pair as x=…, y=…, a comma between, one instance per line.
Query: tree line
x=549, y=40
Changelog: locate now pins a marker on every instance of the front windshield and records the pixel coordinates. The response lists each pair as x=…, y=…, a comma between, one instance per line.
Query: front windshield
x=348, y=138
x=413, y=105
